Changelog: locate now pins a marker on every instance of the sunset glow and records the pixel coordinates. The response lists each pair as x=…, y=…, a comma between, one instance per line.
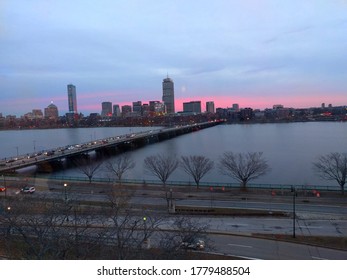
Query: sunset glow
x=253, y=53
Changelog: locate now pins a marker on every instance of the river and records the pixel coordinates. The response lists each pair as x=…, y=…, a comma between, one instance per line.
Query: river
x=289, y=148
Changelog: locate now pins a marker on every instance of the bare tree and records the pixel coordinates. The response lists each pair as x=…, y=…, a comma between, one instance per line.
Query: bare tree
x=196, y=166
x=37, y=229
x=127, y=231
x=333, y=167
x=161, y=166
x=184, y=229
x=36, y=235
x=120, y=166
x=243, y=166
x=88, y=167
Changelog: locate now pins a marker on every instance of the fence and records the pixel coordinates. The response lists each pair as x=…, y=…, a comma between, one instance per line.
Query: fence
x=211, y=185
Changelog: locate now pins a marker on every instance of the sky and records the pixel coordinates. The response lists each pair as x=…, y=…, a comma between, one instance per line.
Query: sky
x=256, y=53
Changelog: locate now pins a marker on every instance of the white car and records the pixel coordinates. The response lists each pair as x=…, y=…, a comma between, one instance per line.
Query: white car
x=28, y=190
x=197, y=244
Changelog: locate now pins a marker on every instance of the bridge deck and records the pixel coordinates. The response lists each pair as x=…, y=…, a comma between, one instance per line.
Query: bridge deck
x=26, y=160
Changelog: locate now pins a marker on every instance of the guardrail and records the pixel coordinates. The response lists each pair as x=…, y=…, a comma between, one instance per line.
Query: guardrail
x=212, y=186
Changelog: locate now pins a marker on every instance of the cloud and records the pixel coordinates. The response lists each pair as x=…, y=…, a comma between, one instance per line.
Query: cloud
x=284, y=34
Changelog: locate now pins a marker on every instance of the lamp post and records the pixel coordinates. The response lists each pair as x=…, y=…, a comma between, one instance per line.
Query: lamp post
x=65, y=196
x=293, y=190
x=4, y=179
x=65, y=192
x=170, y=199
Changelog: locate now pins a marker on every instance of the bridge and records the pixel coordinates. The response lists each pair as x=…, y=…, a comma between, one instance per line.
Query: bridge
x=102, y=146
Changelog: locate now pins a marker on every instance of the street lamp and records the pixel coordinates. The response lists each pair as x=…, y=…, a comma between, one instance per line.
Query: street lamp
x=170, y=199
x=65, y=192
x=293, y=190
x=4, y=179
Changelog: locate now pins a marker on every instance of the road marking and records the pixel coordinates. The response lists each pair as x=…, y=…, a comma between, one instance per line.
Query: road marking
x=317, y=258
x=238, y=245
x=311, y=227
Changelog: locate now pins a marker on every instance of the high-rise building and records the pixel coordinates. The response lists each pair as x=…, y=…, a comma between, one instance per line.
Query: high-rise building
x=145, y=109
x=51, y=112
x=106, y=109
x=210, y=107
x=137, y=107
x=169, y=95
x=126, y=110
x=71, y=94
x=236, y=107
x=192, y=107
x=116, y=110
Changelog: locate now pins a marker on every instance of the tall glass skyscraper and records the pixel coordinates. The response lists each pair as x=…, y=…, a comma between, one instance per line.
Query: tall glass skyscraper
x=168, y=95
x=71, y=94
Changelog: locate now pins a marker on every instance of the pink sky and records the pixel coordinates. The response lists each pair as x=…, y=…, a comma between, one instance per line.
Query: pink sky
x=227, y=101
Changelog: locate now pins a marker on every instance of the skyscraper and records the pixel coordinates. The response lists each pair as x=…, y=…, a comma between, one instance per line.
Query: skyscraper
x=210, y=106
x=71, y=94
x=168, y=95
x=106, y=109
x=137, y=107
x=116, y=110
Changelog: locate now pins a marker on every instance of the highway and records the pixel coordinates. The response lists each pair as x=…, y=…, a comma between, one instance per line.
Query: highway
x=229, y=234
x=311, y=219
x=263, y=249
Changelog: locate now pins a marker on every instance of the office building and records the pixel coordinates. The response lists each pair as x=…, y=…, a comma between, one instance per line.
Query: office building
x=236, y=107
x=106, y=109
x=116, y=110
x=72, y=99
x=137, y=107
x=126, y=110
x=51, y=112
x=169, y=95
x=156, y=107
x=192, y=107
x=210, y=107
x=145, y=109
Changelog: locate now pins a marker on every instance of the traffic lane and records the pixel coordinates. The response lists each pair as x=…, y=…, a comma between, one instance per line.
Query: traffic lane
x=268, y=225
x=285, y=207
x=257, y=248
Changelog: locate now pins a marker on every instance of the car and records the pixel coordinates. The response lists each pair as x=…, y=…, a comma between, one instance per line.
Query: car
x=196, y=244
x=2, y=189
x=28, y=190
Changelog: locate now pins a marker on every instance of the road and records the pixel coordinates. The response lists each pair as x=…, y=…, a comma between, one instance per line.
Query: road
x=231, y=235
x=311, y=219
x=255, y=248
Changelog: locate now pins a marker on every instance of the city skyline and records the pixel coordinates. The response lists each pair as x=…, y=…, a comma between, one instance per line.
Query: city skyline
x=105, y=108
x=253, y=53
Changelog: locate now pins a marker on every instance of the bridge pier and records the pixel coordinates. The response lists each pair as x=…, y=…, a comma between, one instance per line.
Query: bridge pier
x=57, y=158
